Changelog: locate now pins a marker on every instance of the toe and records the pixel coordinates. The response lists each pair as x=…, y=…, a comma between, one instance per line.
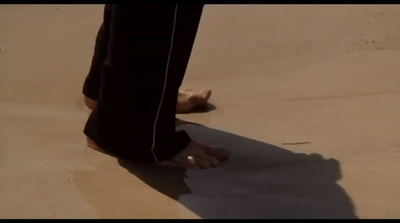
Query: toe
x=219, y=154
x=191, y=162
x=206, y=94
x=202, y=162
x=213, y=161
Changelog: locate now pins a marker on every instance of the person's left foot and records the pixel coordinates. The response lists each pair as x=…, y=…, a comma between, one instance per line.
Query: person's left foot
x=189, y=99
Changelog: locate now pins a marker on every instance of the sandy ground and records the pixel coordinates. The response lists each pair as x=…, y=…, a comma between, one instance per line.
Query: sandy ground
x=326, y=75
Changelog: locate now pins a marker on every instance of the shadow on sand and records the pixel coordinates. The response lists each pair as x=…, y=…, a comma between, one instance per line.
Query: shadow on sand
x=203, y=109
x=259, y=181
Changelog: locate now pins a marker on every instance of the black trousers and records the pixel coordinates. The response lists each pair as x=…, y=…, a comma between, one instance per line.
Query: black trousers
x=141, y=55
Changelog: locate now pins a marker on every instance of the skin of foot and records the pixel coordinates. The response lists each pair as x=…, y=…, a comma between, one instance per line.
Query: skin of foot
x=195, y=155
x=90, y=104
x=187, y=100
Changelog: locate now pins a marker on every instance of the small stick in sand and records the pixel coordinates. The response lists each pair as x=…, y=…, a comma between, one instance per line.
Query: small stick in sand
x=295, y=143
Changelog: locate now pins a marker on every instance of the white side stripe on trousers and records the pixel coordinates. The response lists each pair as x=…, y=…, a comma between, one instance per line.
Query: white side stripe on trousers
x=165, y=86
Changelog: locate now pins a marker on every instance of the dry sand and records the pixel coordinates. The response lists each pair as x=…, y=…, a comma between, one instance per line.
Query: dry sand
x=327, y=75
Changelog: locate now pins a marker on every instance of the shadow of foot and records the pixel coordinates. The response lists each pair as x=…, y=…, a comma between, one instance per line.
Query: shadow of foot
x=201, y=109
x=259, y=181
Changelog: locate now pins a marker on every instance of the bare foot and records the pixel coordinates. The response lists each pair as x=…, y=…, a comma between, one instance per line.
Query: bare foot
x=188, y=99
x=197, y=155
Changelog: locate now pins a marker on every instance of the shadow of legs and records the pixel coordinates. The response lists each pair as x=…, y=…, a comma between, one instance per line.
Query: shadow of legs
x=259, y=181
x=167, y=180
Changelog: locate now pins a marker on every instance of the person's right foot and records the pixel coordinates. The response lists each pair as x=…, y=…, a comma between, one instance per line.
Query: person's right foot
x=197, y=155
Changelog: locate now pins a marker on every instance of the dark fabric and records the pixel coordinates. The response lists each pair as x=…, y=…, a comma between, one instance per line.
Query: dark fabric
x=91, y=85
x=134, y=79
